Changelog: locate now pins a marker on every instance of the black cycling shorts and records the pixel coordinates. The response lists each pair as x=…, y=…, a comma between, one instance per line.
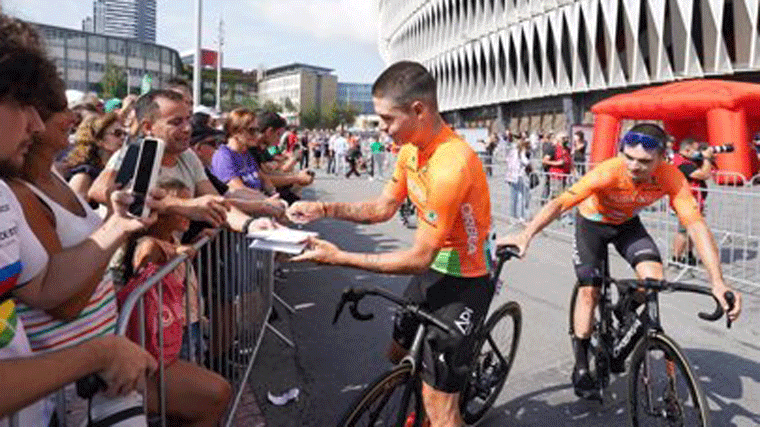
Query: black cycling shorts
x=461, y=302
x=590, y=246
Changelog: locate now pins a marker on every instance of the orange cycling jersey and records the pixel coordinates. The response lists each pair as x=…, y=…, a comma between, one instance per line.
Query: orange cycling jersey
x=447, y=184
x=608, y=194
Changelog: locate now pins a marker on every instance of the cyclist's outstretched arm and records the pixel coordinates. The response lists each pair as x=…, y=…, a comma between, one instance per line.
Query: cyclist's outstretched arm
x=588, y=184
x=368, y=212
x=414, y=260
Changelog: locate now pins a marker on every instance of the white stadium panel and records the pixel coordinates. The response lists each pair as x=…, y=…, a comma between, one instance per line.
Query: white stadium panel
x=488, y=51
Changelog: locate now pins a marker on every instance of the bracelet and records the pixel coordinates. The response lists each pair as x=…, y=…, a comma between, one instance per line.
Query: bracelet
x=247, y=224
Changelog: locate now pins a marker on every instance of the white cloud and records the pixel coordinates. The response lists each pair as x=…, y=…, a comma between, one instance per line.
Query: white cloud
x=353, y=19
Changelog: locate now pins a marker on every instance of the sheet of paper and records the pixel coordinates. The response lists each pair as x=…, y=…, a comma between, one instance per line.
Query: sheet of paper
x=284, y=247
x=283, y=234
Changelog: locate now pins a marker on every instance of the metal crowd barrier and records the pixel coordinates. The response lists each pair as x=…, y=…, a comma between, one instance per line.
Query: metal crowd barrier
x=234, y=302
x=731, y=213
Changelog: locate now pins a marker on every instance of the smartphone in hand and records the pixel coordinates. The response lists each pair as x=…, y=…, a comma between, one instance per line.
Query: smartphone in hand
x=147, y=165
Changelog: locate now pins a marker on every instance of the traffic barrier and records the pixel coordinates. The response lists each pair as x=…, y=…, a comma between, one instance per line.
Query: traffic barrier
x=226, y=313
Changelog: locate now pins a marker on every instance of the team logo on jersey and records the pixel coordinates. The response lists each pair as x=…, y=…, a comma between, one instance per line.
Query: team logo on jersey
x=470, y=227
x=431, y=216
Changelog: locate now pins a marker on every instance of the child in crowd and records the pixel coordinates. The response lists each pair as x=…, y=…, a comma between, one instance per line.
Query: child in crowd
x=195, y=395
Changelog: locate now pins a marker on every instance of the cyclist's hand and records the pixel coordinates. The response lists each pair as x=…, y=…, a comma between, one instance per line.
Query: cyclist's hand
x=520, y=240
x=719, y=290
x=304, y=212
x=318, y=251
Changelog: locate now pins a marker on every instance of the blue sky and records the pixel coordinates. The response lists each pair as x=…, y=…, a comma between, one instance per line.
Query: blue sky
x=338, y=34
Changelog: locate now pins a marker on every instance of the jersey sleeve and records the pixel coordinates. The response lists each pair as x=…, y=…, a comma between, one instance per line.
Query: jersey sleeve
x=599, y=177
x=681, y=198
x=396, y=187
x=447, y=192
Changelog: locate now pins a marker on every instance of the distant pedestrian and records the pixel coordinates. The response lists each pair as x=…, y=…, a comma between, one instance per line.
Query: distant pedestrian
x=378, y=157
x=353, y=158
x=579, y=153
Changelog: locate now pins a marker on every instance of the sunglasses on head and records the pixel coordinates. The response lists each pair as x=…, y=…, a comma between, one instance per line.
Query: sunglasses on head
x=633, y=139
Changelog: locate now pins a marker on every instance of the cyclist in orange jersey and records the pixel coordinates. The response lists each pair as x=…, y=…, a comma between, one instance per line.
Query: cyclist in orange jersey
x=450, y=257
x=609, y=198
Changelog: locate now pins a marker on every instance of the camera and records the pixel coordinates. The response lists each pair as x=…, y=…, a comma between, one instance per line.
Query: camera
x=718, y=149
x=725, y=148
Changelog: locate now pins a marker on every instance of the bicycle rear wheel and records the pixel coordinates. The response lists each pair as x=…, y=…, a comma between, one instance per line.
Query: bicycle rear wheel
x=662, y=389
x=381, y=403
x=496, y=348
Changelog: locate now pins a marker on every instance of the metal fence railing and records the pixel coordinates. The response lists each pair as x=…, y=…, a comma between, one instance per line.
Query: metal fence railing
x=732, y=212
x=226, y=312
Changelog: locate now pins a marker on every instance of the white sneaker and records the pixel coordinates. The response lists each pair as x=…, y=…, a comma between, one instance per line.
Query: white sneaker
x=120, y=411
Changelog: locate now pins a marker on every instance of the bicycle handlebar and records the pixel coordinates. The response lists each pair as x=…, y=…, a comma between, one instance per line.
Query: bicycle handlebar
x=665, y=286
x=355, y=295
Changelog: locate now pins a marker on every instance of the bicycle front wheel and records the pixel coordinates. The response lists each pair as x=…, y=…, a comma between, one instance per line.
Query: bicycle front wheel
x=494, y=358
x=382, y=403
x=662, y=389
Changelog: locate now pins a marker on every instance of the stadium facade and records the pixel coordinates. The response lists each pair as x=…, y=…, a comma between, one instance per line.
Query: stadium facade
x=541, y=64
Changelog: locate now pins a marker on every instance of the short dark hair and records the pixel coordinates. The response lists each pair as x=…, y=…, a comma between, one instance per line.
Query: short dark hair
x=656, y=132
x=27, y=76
x=268, y=120
x=146, y=106
x=405, y=82
x=687, y=142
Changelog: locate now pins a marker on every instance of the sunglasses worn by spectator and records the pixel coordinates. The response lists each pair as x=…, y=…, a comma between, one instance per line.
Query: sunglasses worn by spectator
x=119, y=133
x=252, y=130
x=633, y=139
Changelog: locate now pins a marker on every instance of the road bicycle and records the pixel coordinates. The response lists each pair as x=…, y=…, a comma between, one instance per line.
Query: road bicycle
x=395, y=398
x=662, y=387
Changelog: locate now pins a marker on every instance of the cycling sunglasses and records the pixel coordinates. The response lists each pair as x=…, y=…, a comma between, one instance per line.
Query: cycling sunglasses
x=633, y=139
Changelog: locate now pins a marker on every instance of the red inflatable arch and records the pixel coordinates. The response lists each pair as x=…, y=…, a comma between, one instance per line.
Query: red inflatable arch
x=716, y=111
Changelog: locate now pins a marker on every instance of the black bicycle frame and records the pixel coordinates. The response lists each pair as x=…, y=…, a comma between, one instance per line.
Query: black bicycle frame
x=648, y=322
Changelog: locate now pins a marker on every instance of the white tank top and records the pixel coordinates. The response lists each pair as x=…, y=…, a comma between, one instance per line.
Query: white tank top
x=71, y=228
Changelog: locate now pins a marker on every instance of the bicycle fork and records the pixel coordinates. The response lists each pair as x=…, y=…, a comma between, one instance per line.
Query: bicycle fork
x=413, y=358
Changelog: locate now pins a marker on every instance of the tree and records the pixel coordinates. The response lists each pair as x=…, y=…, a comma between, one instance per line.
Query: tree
x=270, y=106
x=114, y=81
x=310, y=119
x=340, y=115
x=289, y=106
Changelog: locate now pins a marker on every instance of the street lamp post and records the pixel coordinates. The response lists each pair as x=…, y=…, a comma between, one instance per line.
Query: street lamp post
x=220, y=44
x=197, y=58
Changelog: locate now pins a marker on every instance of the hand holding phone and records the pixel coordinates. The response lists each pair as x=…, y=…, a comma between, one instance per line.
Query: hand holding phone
x=139, y=172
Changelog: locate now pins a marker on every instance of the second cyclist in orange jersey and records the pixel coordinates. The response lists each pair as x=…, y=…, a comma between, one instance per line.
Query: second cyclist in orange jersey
x=447, y=184
x=608, y=194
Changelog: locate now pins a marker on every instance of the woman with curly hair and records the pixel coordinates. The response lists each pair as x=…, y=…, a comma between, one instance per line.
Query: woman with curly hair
x=95, y=141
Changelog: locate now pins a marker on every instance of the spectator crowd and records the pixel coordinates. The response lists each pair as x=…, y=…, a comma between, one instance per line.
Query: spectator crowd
x=71, y=254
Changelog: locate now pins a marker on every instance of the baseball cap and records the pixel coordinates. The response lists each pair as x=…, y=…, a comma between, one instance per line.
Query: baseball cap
x=111, y=104
x=201, y=133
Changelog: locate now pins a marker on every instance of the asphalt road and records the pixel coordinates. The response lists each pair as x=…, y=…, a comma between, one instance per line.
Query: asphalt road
x=331, y=364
